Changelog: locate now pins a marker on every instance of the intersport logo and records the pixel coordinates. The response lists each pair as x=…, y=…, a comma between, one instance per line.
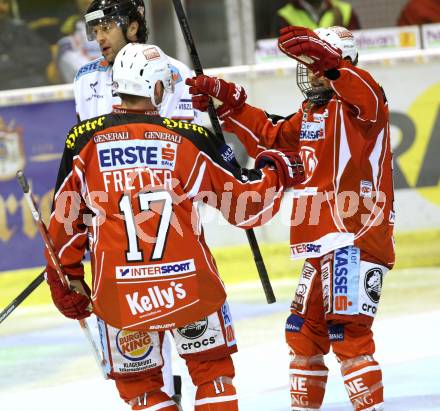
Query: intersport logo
x=155, y=298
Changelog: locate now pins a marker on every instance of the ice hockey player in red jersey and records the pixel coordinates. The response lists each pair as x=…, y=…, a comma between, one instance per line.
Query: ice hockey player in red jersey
x=128, y=184
x=342, y=216
x=113, y=24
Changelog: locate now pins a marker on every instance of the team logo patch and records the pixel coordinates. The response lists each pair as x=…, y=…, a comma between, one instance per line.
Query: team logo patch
x=310, y=161
x=373, y=284
x=336, y=333
x=302, y=292
x=366, y=189
x=157, y=135
x=93, y=86
x=229, y=328
x=392, y=217
x=175, y=73
x=156, y=298
x=103, y=138
x=305, y=249
x=81, y=128
x=325, y=280
x=186, y=105
x=183, y=125
x=134, y=345
x=151, y=53
x=294, y=323
x=346, y=280
x=194, y=330
x=312, y=131
x=97, y=65
x=227, y=154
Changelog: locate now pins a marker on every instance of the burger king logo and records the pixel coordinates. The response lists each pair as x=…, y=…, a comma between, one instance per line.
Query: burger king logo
x=134, y=345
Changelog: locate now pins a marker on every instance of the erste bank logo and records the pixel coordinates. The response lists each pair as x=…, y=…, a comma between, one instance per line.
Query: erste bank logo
x=119, y=155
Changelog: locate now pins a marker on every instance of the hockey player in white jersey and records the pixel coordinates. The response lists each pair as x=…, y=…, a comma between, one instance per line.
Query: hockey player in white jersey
x=113, y=24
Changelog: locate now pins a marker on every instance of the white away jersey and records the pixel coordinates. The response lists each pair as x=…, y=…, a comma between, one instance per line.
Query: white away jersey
x=93, y=91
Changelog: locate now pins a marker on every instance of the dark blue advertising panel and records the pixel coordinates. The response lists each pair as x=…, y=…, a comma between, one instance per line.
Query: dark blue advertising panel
x=31, y=138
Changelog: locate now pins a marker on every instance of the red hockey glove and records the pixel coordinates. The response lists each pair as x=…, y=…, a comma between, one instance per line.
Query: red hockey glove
x=288, y=164
x=305, y=46
x=231, y=95
x=71, y=303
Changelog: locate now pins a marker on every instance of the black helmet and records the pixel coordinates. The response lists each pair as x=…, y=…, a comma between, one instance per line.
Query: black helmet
x=122, y=11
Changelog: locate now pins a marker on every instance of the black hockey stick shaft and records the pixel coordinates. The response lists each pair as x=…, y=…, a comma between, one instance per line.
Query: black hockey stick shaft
x=261, y=268
x=21, y=297
x=198, y=68
x=41, y=226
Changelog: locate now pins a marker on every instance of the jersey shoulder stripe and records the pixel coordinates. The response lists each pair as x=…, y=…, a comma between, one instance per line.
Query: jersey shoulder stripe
x=96, y=65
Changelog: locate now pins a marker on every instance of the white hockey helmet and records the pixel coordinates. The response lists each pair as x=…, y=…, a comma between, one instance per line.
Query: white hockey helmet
x=138, y=68
x=341, y=38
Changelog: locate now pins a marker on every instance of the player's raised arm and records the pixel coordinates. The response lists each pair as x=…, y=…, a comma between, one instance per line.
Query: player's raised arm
x=256, y=129
x=357, y=88
x=330, y=56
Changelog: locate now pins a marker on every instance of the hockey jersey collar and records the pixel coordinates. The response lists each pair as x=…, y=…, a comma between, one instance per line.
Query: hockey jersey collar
x=120, y=110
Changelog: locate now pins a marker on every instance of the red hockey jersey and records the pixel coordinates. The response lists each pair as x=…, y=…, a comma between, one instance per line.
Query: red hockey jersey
x=345, y=146
x=129, y=184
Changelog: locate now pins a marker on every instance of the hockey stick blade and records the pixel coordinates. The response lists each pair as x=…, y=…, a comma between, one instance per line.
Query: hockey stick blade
x=21, y=297
x=189, y=40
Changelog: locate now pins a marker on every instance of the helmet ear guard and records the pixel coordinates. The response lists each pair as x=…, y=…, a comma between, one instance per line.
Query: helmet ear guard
x=138, y=68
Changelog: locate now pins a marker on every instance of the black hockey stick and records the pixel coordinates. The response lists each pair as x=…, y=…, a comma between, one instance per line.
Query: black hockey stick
x=21, y=297
x=183, y=21
x=56, y=262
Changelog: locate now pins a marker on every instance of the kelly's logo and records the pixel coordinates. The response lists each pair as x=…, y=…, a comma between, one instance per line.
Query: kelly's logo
x=154, y=298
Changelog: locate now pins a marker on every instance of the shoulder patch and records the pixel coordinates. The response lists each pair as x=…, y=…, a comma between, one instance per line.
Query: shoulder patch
x=182, y=125
x=95, y=65
x=177, y=77
x=83, y=128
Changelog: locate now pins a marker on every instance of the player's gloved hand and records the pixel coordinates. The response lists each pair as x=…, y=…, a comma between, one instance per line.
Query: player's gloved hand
x=288, y=164
x=72, y=302
x=303, y=45
x=231, y=95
